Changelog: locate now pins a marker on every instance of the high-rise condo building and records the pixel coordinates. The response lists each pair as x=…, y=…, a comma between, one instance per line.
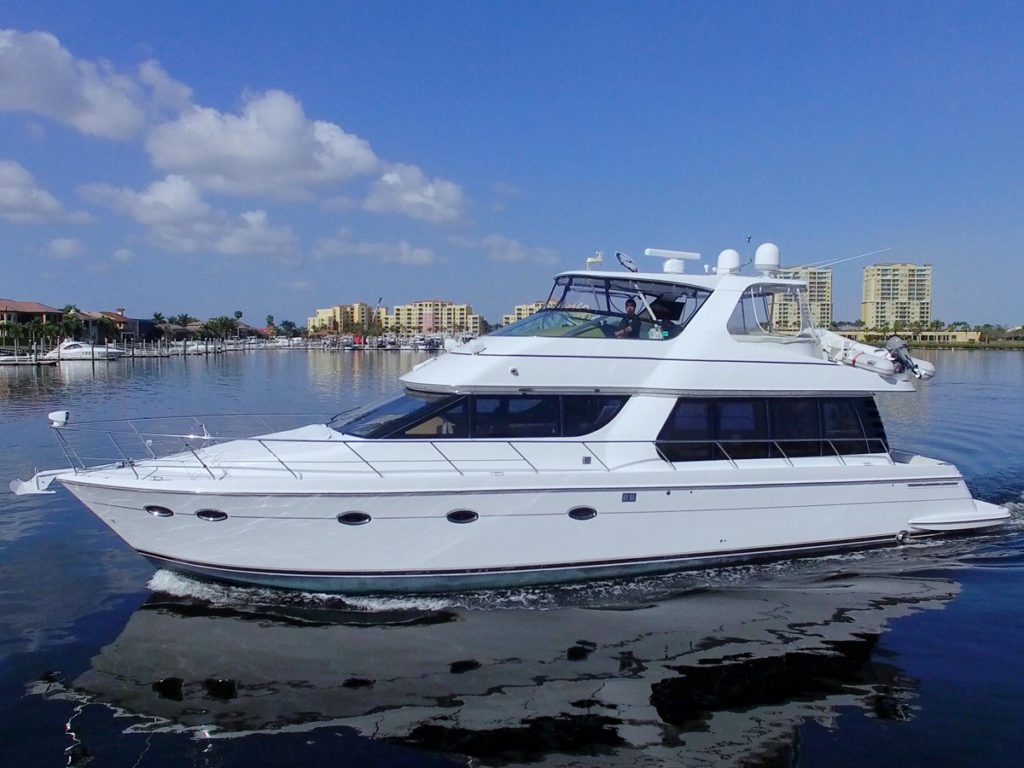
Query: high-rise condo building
x=786, y=313
x=896, y=294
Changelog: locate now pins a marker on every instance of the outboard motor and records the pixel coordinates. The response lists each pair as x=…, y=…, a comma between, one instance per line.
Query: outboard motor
x=899, y=353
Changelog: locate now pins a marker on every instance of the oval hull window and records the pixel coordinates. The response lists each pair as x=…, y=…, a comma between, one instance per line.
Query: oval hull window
x=582, y=513
x=211, y=515
x=353, y=518
x=462, y=516
x=157, y=511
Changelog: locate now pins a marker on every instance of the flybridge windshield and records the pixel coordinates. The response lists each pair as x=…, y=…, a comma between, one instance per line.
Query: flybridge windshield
x=595, y=307
x=771, y=310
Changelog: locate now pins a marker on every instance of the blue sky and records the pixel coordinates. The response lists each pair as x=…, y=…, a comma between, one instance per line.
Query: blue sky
x=279, y=157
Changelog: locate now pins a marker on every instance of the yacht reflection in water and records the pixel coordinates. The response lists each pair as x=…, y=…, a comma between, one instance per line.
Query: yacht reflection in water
x=721, y=675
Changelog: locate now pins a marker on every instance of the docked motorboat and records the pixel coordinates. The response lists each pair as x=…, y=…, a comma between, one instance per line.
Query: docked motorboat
x=69, y=349
x=586, y=441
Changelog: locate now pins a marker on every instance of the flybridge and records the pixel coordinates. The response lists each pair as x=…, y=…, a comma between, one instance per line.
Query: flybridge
x=767, y=260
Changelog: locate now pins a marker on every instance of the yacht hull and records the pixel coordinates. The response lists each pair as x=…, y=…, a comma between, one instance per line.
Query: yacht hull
x=522, y=535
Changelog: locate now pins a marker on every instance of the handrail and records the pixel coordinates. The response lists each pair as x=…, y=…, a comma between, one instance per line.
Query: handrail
x=198, y=458
x=526, y=453
x=263, y=443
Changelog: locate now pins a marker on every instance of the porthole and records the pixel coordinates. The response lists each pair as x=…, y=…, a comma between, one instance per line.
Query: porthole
x=157, y=511
x=211, y=515
x=353, y=518
x=582, y=513
x=463, y=516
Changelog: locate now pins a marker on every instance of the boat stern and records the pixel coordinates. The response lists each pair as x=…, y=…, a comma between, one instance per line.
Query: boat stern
x=984, y=515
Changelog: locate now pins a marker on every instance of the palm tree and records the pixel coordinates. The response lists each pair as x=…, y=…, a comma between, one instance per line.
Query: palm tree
x=221, y=327
x=72, y=327
x=107, y=329
x=37, y=330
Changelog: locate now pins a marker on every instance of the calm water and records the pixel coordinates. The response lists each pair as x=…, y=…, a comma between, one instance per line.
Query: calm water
x=897, y=657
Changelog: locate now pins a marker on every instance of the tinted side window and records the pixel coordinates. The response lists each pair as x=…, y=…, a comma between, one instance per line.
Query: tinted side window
x=688, y=432
x=841, y=425
x=742, y=428
x=746, y=428
x=452, y=422
x=583, y=414
x=796, y=425
x=516, y=416
x=871, y=421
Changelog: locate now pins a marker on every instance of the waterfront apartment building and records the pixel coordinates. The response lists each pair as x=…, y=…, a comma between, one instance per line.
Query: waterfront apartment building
x=428, y=316
x=431, y=316
x=786, y=313
x=521, y=311
x=896, y=294
x=341, y=318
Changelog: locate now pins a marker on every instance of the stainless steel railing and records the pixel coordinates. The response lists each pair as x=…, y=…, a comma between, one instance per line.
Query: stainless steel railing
x=259, y=447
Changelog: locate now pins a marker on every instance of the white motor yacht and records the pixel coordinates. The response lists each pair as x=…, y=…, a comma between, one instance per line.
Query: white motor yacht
x=708, y=424
x=69, y=349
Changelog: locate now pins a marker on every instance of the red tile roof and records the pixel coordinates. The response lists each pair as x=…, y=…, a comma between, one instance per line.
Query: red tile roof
x=7, y=305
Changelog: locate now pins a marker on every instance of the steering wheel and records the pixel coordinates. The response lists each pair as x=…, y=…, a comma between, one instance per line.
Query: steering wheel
x=627, y=262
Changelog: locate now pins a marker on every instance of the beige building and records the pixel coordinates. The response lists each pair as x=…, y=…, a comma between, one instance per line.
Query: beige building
x=341, y=318
x=786, y=312
x=917, y=337
x=522, y=311
x=896, y=294
x=431, y=316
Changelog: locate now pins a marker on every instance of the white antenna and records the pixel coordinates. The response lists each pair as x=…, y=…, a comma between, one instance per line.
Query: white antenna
x=674, y=260
x=827, y=263
x=597, y=258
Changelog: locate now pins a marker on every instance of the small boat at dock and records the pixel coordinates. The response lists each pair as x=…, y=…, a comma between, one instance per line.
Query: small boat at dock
x=70, y=349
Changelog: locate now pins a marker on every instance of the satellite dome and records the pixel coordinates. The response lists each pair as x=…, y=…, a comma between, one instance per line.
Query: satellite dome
x=767, y=258
x=728, y=262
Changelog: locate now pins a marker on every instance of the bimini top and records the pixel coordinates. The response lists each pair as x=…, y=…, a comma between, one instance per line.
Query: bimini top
x=660, y=332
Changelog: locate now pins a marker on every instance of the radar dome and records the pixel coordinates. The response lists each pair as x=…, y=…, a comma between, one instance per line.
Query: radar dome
x=767, y=258
x=728, y=262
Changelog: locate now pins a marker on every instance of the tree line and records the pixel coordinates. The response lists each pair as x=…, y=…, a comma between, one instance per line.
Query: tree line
x=989, y=331
x=104, y=329
x=222, y=327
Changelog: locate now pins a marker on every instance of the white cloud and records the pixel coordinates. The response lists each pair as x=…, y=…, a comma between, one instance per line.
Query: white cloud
x=271, y=149
x=406, y=189
x=340, y=203
x=501, y=248
x=167, y=93
x=179, y=221
x=172, y=200
x=251, y=233
x=38, y=75
x=22, y=202
x=123, y=255
x=63, y=248
x=401, y=252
